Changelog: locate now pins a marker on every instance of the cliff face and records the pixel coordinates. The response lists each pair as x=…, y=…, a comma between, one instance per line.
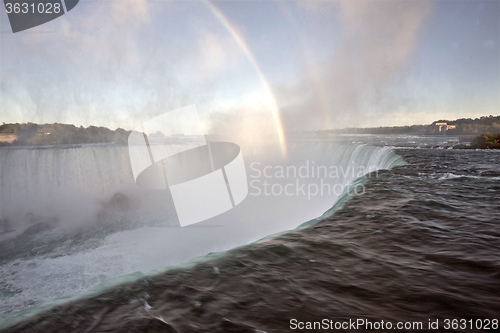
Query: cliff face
x=53, y=134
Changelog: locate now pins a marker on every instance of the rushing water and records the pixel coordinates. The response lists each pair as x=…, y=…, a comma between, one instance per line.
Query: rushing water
x=74, y=218
x=421, y=243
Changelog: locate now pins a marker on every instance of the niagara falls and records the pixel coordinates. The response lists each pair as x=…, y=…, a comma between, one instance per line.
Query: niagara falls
x=249, y=166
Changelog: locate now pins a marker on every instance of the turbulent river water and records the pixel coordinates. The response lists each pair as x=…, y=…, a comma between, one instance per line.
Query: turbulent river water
x=419, y=244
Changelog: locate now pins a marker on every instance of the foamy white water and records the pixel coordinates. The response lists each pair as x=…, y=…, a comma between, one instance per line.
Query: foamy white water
x=76, y=184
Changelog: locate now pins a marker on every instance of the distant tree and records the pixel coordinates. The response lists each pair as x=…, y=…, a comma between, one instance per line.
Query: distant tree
x=51, y=134
x=486, y=140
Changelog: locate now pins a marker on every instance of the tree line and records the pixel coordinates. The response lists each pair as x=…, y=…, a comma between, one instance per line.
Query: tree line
x=54, y=134
x=464, y=126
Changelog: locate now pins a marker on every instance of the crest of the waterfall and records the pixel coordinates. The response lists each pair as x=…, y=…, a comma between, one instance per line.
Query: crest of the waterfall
x=75, y=184
x=205, y=179
x=97, y=183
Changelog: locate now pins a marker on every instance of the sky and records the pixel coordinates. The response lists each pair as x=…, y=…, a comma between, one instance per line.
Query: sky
x=255, y=66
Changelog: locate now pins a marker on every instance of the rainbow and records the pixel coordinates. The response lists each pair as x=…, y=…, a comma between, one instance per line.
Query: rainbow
x=273, y=104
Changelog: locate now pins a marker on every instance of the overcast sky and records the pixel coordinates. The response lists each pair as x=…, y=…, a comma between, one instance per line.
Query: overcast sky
x=326, y=64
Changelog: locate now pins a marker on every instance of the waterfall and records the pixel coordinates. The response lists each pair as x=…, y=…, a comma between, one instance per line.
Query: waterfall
x=74, y=184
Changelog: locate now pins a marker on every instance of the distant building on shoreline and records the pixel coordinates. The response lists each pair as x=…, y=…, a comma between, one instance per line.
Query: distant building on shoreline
x=443, y=127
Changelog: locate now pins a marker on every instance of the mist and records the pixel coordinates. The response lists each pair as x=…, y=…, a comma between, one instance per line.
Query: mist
x=353, y=87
